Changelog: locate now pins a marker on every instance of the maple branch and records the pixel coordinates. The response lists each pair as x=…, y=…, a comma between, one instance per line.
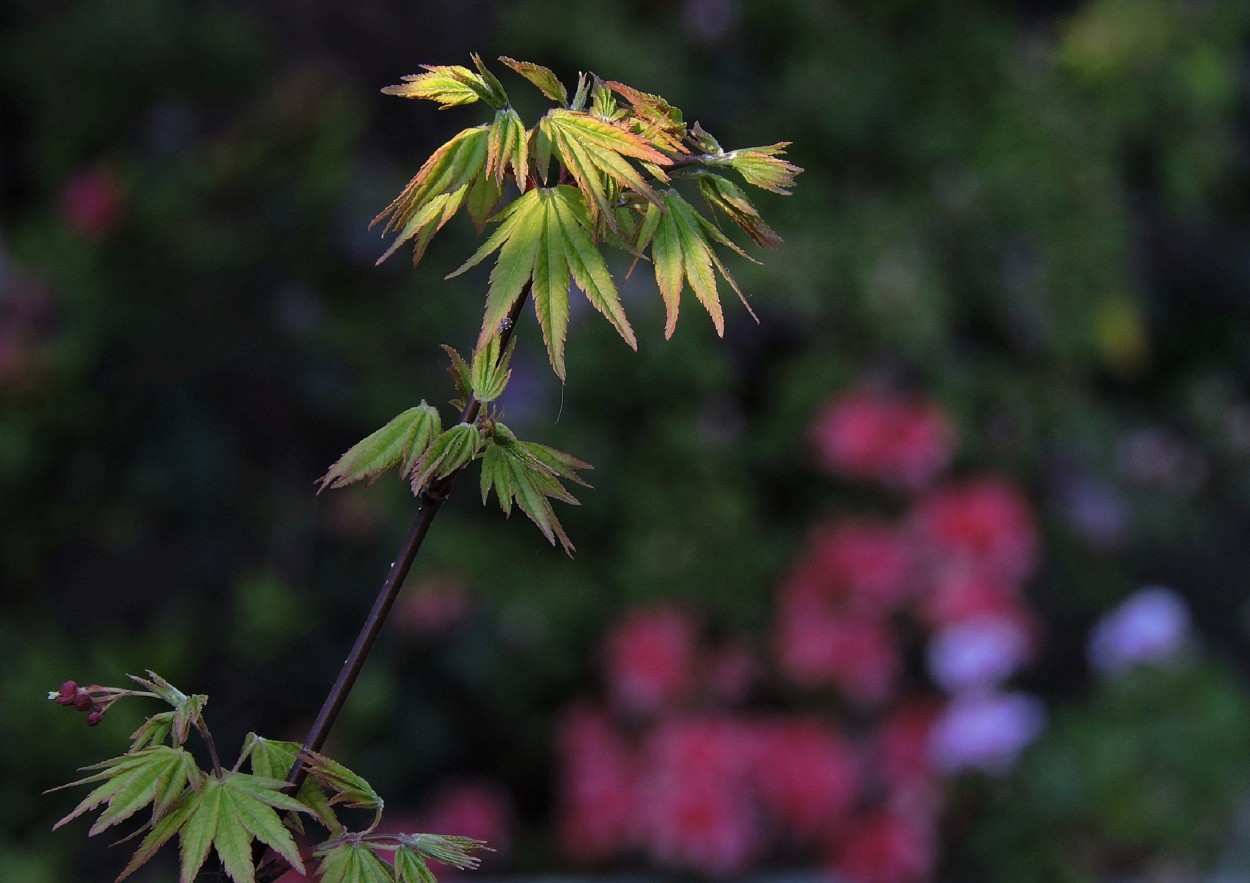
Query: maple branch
x=431, y=500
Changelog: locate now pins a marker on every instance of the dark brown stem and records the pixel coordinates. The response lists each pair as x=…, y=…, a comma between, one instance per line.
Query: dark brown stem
x=431, y=501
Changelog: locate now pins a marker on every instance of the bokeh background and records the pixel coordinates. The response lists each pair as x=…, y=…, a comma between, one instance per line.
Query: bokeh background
x=849, y=594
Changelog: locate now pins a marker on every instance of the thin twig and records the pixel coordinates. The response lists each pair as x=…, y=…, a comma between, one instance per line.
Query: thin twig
x=431, y=501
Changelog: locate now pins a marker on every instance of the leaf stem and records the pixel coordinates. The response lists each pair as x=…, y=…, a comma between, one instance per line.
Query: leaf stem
x=431, y=500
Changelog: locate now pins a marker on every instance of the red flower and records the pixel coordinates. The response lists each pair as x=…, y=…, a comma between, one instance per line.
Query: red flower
x=898, y=440
x=694, y=802
x=869, y=563
x=91, y=203
x=819, y=644
x=984, y=525
x=596, y=787
x=649, y=660
x=807, y=775
x=886, y=847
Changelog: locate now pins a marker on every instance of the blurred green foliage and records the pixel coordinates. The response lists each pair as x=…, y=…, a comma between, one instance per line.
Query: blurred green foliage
x=1035, y=211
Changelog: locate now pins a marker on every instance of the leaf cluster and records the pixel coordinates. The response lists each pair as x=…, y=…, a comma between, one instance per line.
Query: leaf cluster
x=526, y=473
x=599, y=169
x=229, y=811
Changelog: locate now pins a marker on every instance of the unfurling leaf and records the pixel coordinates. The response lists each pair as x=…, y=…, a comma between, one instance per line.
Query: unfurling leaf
x=727, y=197
x=399, y=443
x=490, y=371
x=544, y=78
x=410, y=867
x=508, y=145
x=349, y=788
x=529, y=474
x=681, y=253
x=446, y=454
x=653, y=119
x=544, y=239
x=449, y=849
x=760, y=166
x=452, y=85
x=460, y=375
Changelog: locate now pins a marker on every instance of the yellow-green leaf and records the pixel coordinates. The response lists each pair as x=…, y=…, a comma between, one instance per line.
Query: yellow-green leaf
x=761, y=166
x=400, y=442
x=544, y=78
x=451, y=85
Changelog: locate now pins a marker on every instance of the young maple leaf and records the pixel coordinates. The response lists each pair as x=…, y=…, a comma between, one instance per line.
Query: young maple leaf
x=545, y=238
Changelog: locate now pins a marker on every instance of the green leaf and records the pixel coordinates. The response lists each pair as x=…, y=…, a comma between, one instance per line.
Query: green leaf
x=760, y=166
x=544, y=78
x=507, y=145
x=490, y=372
x=274, y=759
x=453, y=174
x=517, y=239
x=593, y=149
x=157, y=775
x=682, y=253
x=399, y=443
x=410, y=867
x=460, y=374
x=352, y=862
x=703, y=141
x=350, y=789
x=545, y=239
x=451, y=86
x=727, y=197
x=227, y=814
x=529, y=474
x=153, y=731
x=165, y=827
x=585, y=261
x=448, y=849
x=188, y=710
x=449, y=452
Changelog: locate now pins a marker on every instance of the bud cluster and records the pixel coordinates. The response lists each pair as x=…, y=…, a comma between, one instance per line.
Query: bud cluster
x=82, y=699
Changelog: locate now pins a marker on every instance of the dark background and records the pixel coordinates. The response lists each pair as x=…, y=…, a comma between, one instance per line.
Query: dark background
x=1033, y=212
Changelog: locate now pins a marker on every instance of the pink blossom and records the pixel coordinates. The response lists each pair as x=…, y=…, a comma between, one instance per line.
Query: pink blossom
x=596, y=784
x=807, y=775
x=980, y=525
x=649, y=659
x=978, y=653
x=867, y=562
x=902, y=742
x=694, y=804
x=901, y=441
x=91, y=202
x=958, y=594
x=985, y=732
x=886, y=847
x=818, y=645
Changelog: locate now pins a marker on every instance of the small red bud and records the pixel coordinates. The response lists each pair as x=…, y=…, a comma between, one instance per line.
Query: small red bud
x=83, y=701
x=95, y=717
x=65, y=696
